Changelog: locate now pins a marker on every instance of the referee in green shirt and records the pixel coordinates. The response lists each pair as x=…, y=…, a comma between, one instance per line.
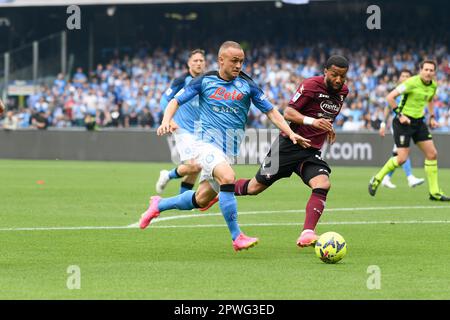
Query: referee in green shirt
x=418, y=92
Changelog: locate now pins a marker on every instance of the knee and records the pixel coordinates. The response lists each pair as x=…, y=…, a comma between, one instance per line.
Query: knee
x=324, y=184
x=253, y=190
x=401, y=160
x=229, y=179
x=196, y=168
x=432, y=155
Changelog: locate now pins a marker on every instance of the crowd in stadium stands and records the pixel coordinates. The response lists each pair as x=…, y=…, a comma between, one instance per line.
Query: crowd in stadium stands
x=126, y=92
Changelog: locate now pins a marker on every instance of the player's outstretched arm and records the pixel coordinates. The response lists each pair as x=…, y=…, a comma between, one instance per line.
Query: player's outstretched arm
x=167, y=125
x=277, y=119
x=382, y=130
x=290, y=114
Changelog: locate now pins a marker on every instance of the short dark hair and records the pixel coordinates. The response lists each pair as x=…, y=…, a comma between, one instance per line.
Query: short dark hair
x=405, y=70
x=195, y=51
x=338, y=61
x=430, y=61
x=229, y=44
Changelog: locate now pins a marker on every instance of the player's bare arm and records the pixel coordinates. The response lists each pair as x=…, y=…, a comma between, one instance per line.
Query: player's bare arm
x=391, y=100
x=382, y=130
x=277, y=119
x=331, y=136
x=432, y=121
x=293, y=115
x=2, y=107
x=167, y=124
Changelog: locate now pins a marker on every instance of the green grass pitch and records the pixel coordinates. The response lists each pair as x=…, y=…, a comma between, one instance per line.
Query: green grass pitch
x=79, y=213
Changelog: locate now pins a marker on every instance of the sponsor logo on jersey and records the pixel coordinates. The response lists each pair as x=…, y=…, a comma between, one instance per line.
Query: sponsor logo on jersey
x=321, y=95
x=296, y=96
x=222, y=94
x=329, y=106
x=238, y=84
x=223, y=109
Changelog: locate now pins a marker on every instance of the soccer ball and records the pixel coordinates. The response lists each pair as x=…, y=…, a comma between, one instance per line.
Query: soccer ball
x=331, y=247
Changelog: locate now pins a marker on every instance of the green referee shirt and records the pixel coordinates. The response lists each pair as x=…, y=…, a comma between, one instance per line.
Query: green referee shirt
x=416, y=95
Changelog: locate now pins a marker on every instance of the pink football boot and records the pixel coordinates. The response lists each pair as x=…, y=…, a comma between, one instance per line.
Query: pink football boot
x=151, y=213
x=307, y=238
x=244, y=242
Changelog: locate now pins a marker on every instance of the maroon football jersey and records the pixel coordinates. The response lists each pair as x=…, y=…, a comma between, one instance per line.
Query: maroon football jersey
x=312, y=99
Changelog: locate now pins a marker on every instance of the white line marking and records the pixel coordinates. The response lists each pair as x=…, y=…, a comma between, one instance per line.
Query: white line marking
x=198, y=215
x=298, y=224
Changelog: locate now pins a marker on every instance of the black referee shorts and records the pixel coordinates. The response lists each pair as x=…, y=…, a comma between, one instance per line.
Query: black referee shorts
x=285, y=158
x=403, y=133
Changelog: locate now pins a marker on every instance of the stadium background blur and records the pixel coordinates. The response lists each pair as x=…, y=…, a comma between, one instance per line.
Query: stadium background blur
x=60, y=216
x=124, y=56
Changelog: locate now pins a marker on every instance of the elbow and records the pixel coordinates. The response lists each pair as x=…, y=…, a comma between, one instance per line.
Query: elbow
x=390, y=100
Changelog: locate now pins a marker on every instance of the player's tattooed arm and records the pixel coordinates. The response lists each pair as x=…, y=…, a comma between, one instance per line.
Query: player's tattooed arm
x=290, y=114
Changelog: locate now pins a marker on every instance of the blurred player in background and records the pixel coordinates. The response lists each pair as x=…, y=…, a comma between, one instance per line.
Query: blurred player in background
x=311, y=111
x=184, y=119
x=2, y=107
x=412, y=180
x=418, y=92
x=225, y=97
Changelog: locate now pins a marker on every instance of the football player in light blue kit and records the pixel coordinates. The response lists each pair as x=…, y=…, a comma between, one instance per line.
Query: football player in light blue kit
x=412, y=180
x=185, y=118
x=225, y=97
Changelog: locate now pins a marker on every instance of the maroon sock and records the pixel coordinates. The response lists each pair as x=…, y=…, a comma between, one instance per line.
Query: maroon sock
x=314, y=208
x=240, y=187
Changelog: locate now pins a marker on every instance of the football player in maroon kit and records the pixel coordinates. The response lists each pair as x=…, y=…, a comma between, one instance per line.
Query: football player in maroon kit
x=311, y=111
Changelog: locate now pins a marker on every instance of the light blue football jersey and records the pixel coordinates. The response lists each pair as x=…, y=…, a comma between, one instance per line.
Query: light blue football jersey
x=224, y=107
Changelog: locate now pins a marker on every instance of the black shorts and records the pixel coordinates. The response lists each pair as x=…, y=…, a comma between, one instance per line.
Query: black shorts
x=403, y=133
x=284, y=158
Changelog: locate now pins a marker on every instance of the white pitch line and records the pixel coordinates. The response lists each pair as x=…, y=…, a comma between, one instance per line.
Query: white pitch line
x=66, y=228
x=198, y=215
x=242, y=225
x=287, y=224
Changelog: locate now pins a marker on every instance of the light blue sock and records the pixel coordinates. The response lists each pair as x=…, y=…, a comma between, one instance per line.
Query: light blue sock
x=407, y=167
x=181, y=202
x=185, y=187
x=391, y=173
x=228, y=206
x=173, y=174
